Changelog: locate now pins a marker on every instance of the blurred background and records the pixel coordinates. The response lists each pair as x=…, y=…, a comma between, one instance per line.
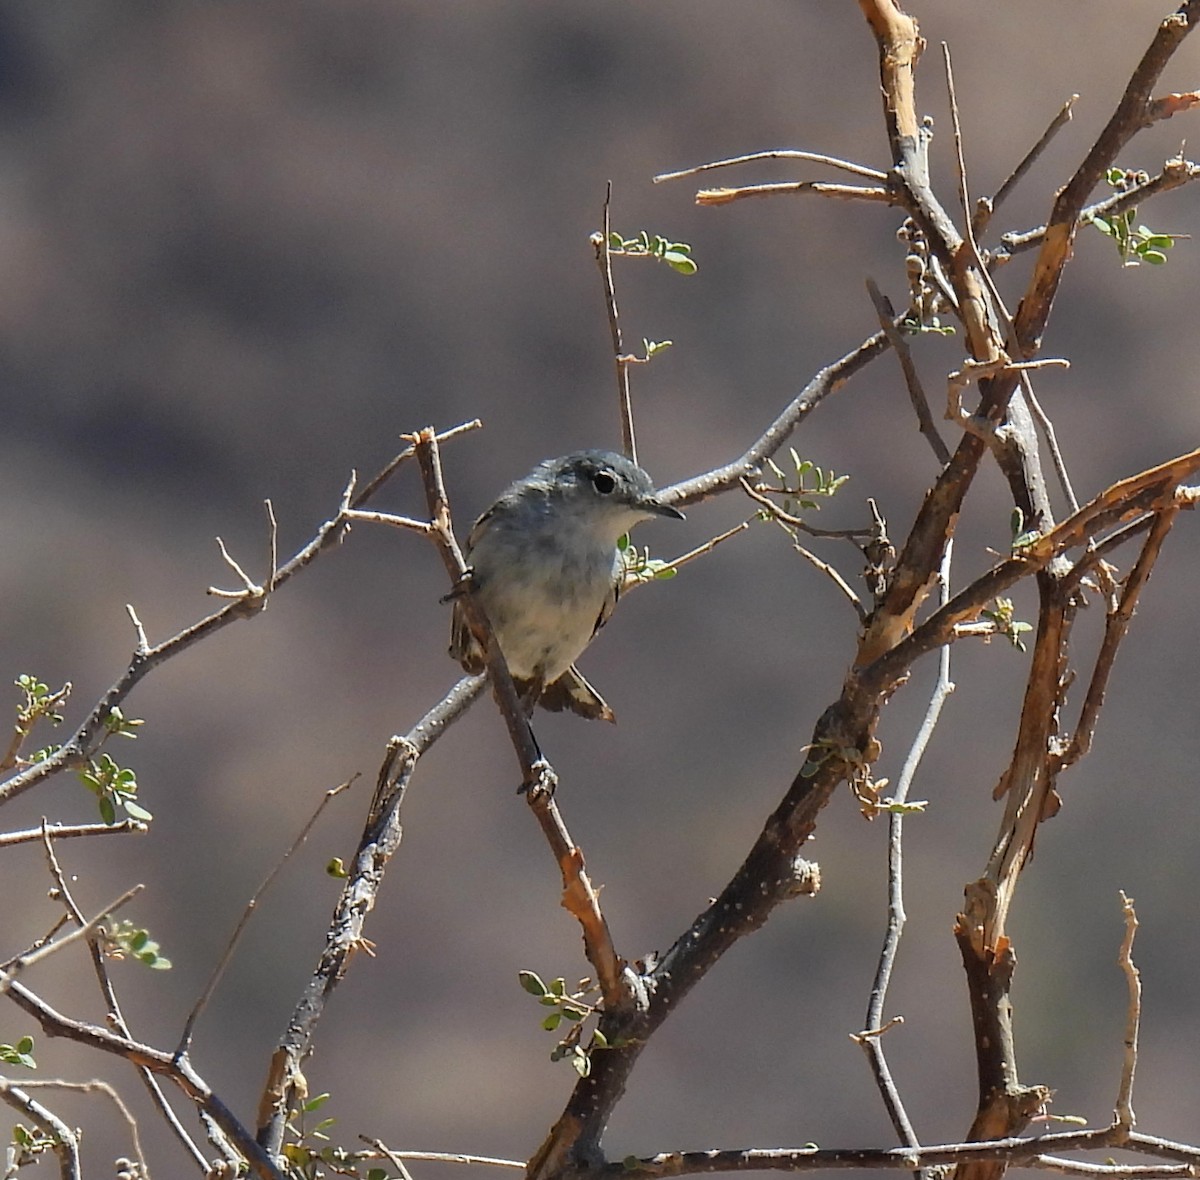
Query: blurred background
x=244, y=247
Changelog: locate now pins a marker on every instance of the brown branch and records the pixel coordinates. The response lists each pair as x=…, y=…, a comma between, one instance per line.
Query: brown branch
x=1123, y=1112
x=777, y=154
x=1116, y=626
x=912, y=382
x=601, y=244
x=67, y=831
x=820, y=188
x=1014, y=1150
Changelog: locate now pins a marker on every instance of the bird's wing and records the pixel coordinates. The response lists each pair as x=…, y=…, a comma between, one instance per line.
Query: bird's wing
x=609, y=604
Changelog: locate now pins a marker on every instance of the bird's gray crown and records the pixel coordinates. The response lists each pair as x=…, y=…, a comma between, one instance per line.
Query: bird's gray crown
x=594, y=476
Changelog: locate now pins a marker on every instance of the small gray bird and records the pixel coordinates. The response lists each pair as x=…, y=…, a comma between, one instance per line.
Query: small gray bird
x=546, y=569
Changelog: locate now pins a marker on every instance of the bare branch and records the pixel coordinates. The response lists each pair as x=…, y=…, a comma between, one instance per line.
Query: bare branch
x=1123, y=1114
x=779, y=154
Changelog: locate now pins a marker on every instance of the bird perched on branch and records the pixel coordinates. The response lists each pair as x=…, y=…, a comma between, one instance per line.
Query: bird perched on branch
x=545, y=567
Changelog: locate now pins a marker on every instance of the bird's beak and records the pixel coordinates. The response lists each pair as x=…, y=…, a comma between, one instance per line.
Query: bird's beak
x=657, y=507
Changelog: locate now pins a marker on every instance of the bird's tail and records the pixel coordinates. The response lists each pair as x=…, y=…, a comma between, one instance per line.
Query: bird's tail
x=572, y=691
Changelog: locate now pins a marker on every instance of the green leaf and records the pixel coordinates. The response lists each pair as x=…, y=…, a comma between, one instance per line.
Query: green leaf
x=136, y=812
x=552, y=1021
x=914, y=807
x=532, y=983
x=108, y=813
x=680, y=263
x=19, y=1054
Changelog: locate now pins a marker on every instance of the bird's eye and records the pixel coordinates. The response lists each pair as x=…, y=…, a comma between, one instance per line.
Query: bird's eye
x=603, y=482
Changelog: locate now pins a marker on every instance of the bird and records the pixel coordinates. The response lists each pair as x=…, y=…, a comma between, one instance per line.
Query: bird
x=543, y=563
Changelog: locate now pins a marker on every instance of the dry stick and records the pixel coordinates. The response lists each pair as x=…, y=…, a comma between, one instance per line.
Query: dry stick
x=189, y=1026
x=64, y=1141
x=180, y=1072
x=845, y=192
x=779, y=154
x=1029, y=1151
x=986, y=206
x=1123, y=1113
x=869, y=1039
x=88, y=737
x=116, y=1017
x=624, y=401
x=66, y=831
x=1116, y=625
x=912, y=382
x=692, y=554
x=439, y=1157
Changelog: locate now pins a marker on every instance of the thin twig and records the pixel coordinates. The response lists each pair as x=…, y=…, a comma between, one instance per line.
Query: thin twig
x=116, y=1018
x=985, y=206
x=442, y=1157
x=12, y=968
x=690, y=556
x=272, y=545
x=823, y=383
x=1123, y=1113
x=872, y=1045
x=96, y=1086
x=602, y=245
x=189, y=1025
x=912, y=381
x=1115, y=628
x=67, y=831
x=846, y=192
x=389, y=518
x=777, y=154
